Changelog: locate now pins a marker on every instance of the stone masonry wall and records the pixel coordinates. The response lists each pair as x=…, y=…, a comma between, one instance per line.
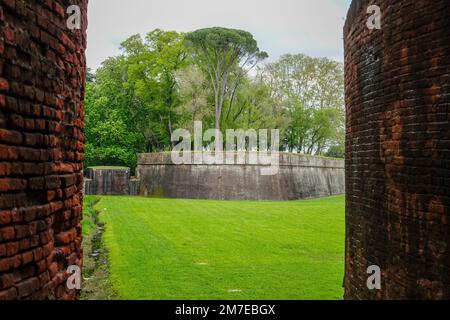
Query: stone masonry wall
x=109, y=181
x=42, y=83
x=299, y=177
x=398, y=149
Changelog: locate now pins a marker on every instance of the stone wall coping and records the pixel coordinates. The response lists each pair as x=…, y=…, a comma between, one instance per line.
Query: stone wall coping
x=285, y=159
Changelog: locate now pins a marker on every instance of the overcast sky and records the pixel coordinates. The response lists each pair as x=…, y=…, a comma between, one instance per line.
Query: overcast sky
x=313, y=27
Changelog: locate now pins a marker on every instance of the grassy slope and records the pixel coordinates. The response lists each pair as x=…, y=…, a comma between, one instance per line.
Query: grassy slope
x=97, y=282
x=184, y=249
x=88, y=214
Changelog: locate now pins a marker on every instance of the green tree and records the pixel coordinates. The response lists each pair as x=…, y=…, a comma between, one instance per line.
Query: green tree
x=90, y=76
x=153, y=64
x=220, y=51
x=311, y=91
x=130, y=106
x=110, y=135
x=168, y=80
x=194, y=95
x=253, y=107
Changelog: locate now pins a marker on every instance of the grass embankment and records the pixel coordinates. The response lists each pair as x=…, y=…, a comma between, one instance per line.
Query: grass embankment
x=187, y=249
x=97, y=281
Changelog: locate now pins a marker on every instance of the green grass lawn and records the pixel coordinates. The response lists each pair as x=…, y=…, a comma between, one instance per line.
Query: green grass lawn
x=185, y=249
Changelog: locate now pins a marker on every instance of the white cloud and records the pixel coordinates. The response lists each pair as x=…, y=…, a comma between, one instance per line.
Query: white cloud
x=280, y=26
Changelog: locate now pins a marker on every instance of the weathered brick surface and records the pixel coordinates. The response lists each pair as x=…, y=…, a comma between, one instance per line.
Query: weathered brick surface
x=42, y=72
x=398, y=149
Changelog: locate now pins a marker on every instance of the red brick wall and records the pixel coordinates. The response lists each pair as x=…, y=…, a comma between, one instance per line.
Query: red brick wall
x=42, y=82
x=398, y=149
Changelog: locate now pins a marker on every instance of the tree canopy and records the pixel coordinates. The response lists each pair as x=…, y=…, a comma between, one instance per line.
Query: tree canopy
x=166, y=80
x=222, y=51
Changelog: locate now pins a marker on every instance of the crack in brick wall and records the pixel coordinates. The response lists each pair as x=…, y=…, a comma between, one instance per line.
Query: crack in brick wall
x=398, y=149
x=42, y=83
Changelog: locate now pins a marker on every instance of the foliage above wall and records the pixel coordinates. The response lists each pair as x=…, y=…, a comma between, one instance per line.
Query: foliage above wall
x=167, y=80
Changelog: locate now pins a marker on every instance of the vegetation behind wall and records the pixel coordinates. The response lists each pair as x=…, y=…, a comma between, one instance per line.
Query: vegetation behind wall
x=162, y=82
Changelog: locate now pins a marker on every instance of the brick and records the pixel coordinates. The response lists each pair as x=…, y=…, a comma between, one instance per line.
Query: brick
x=5, y=217
x=7, y=233
x=22, y=231
x=24, y=244
x=30, y=214
x=41, y=149
x=398, y=195
x=10, y=294
x=52, y=182
x=6, y=281
x=12, y=248
x=28, y=154
x=12, y=137
x=4, y=85
x=37, y=183
x=5, y=264
x=27, y=287
x=9, y=153
x=8, y=34
x=65, y=237
x=27, y=257
x=12, y=184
